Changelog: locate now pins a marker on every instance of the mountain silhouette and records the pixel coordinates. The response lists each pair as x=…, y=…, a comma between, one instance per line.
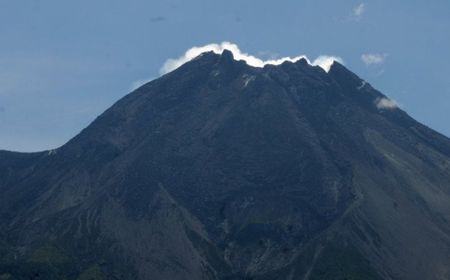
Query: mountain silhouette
x=220, y=170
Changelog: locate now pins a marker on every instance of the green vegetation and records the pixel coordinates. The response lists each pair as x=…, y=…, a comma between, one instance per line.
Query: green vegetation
x=342, y=262
x=92, y=273
x=5, y=276
x=49, y=254
x=54, y=261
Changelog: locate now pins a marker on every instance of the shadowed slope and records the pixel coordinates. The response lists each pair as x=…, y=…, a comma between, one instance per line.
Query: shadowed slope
x=219, y=170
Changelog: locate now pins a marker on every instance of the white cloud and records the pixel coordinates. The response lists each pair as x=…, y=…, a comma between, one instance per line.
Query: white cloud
x=323, y=61
x=359, y=10
x=373, y=58
x=137, y=84
x=386, y=103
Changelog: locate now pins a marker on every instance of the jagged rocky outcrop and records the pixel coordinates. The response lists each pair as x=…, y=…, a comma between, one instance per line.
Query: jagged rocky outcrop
x=219, y=170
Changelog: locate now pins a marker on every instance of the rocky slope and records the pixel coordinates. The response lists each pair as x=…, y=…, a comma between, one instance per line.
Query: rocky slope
x=219, y=170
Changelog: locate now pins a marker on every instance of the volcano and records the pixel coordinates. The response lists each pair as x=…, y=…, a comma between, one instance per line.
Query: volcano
x=221, y=170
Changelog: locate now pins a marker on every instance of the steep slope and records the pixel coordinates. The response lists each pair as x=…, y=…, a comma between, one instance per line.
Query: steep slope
x=219, y=170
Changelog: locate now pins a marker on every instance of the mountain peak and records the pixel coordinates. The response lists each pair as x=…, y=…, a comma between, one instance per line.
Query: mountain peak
x=232, y=51
x=227, y=54
x=302, y=61
x=229, y=169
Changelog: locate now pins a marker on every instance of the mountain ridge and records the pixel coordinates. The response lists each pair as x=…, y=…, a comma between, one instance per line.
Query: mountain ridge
x=220, y=170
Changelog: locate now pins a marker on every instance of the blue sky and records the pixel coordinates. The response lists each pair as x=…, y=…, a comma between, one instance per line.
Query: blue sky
x=62, y=63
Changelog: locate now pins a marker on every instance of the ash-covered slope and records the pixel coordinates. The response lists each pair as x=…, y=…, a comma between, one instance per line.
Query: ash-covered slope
x=219, y=170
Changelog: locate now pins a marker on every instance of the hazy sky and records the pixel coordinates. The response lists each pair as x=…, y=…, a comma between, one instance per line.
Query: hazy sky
x=62, y=63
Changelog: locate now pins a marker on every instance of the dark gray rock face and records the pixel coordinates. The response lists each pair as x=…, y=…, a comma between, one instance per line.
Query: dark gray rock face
x=219, y=170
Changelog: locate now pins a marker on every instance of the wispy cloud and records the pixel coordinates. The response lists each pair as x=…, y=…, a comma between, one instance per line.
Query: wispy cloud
x=324, y=61
x=359, y=10
x=137, y=84
x=386, y=104
x=373, y=58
